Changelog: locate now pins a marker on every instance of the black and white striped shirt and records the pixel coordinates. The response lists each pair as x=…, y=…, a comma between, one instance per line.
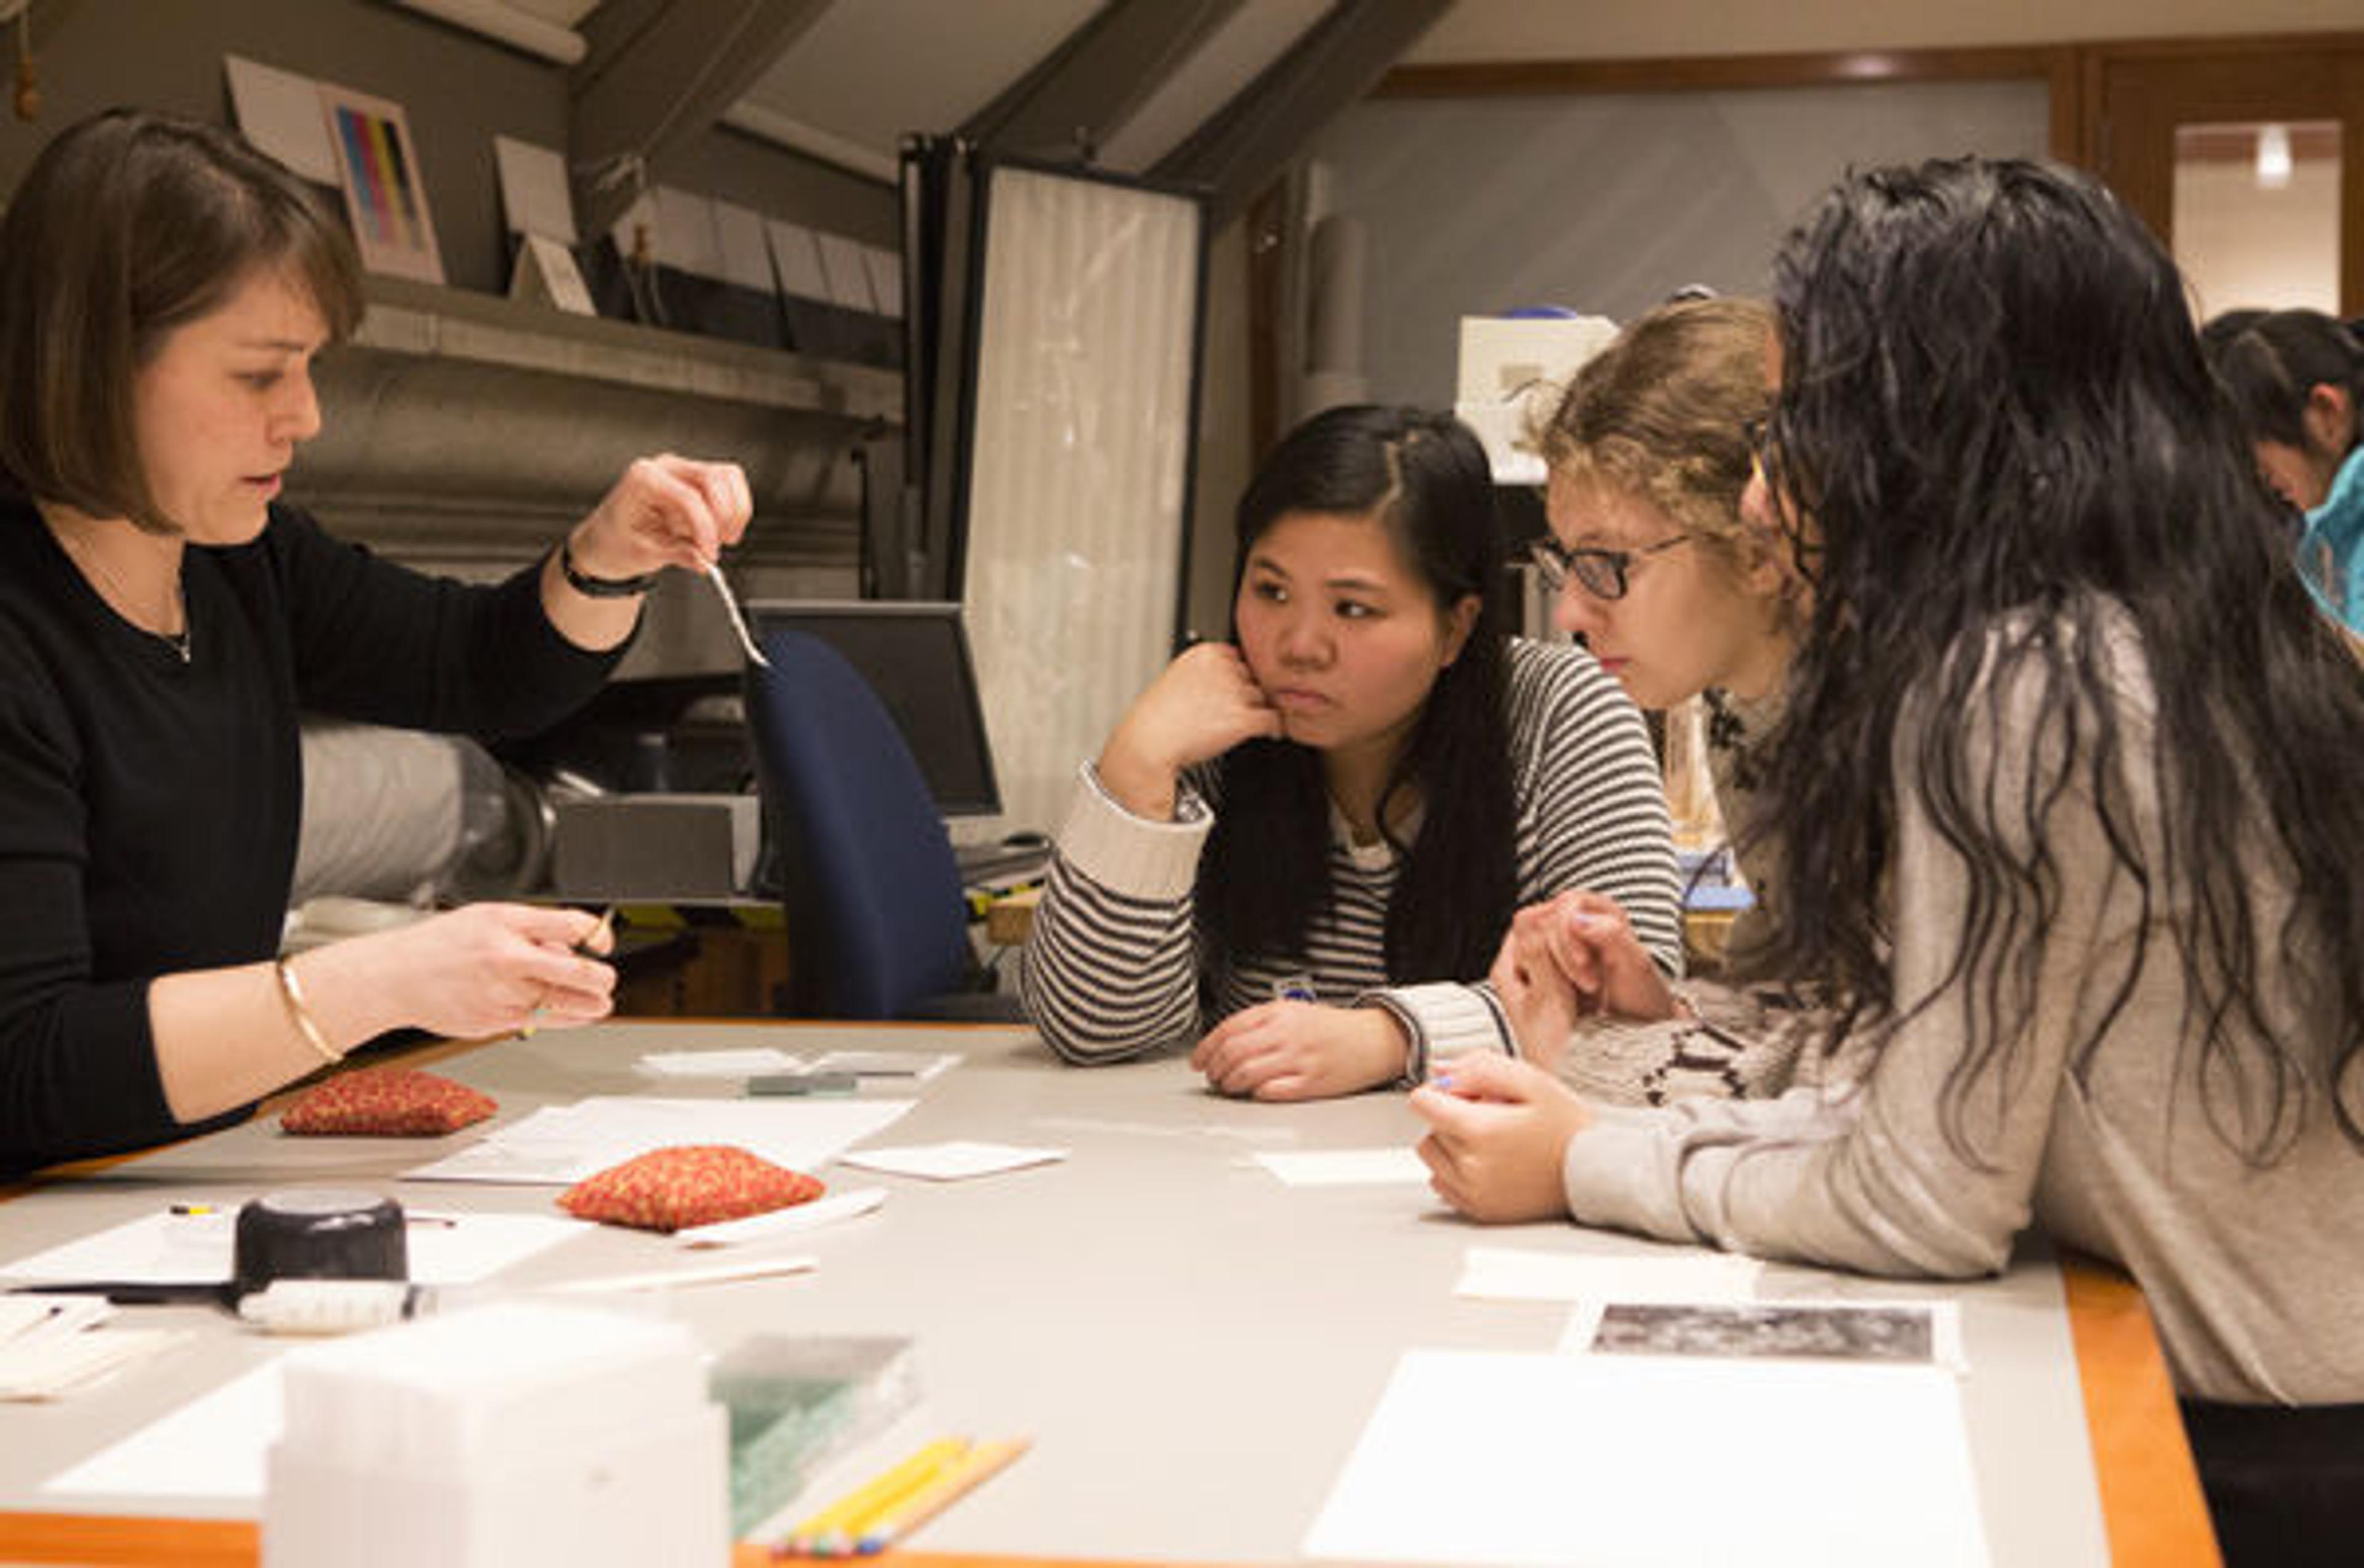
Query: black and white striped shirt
x=1112, y=967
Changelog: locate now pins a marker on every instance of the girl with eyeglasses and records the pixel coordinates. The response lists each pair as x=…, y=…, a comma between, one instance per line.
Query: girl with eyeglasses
x=2065, y=776
x=1677, y=595
x=1299, y=848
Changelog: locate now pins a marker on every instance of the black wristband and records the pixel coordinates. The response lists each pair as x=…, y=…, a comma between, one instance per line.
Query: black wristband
x=599, y=587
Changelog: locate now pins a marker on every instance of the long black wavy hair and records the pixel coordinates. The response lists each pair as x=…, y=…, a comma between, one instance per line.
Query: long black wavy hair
x=1994, y=421
x=1265, y=872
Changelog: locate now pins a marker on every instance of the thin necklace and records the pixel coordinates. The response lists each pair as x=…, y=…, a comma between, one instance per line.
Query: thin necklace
x=178, y=641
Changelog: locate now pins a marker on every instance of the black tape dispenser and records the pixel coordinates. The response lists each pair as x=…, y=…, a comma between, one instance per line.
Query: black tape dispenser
x=318, y=1233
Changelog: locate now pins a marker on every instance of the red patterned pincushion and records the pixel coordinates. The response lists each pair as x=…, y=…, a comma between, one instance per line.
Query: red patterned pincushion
x=691, y=1185
x=387, y=1102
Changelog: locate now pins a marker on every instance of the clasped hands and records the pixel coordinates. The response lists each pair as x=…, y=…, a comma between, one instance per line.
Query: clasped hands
x=1498, y=1129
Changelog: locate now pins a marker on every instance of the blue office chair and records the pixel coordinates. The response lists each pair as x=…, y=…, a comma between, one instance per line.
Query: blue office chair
x=878, y=918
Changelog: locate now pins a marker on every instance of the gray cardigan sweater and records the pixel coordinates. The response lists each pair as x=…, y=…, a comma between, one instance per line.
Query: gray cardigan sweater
x=2251, y=1272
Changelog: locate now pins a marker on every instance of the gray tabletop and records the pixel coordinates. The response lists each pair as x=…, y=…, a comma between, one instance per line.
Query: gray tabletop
x=1193, y=1345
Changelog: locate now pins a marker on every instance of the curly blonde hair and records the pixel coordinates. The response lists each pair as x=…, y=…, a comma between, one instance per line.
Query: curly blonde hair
x=1663, y=413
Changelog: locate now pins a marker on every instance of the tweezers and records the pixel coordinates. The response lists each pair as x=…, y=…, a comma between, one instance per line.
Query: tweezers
x=738, y=621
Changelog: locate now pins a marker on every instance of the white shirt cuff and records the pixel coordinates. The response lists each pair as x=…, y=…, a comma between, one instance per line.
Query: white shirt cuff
x=1443, y=1019
x=1132, y=855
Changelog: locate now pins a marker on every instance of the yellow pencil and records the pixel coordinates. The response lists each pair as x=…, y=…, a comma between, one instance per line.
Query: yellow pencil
x=832, y=1528
x=898, y=1520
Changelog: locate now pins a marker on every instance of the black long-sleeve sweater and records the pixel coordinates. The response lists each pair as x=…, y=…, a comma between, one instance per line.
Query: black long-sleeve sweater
x=149, y=806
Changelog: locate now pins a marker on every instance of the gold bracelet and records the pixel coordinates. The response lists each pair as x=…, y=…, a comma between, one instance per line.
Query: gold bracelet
x=292, y=995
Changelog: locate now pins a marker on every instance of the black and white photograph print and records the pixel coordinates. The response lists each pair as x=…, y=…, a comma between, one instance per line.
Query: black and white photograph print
x=1818, y=1331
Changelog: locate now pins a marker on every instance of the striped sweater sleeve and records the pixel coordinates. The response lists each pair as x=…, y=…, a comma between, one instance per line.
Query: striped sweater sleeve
x=1592, y=815
x=1109, y=972
x=1591, y=782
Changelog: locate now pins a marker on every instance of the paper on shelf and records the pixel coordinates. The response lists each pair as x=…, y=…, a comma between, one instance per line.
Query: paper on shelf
x=849, y=280
x=279, y=112
x=745, y=256
x=795, y=258
x=535, y=196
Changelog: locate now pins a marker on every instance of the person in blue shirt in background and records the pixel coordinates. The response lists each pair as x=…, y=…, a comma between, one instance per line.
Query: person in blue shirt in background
x=2297, y=378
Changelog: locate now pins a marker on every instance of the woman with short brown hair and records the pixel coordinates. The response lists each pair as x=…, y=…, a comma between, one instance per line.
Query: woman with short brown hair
x=163, y=290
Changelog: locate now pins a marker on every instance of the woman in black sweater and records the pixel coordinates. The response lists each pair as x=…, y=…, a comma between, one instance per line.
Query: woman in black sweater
x=163, y=290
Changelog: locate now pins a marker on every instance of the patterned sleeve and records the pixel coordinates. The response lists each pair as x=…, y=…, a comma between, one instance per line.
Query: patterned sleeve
x=1589, y=781
x=1729, y=1042
x=1109, y=970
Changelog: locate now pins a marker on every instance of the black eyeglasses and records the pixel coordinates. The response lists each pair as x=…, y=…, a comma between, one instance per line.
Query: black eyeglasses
x=1604, y=573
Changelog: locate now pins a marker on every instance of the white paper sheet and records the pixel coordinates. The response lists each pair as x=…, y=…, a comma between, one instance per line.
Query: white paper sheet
x=31, y=1317
x=546, y=273
x=717, y=1063
x=849, y=280
x=919, y=1066
x=757, y=1228
x=746, y=259
x=688, y=239
x=171, y=1249
x=559, y=1144
x=1677, y=1275
x=796, y=256
x=1615, y=1461
x=534, y=193
x=747, y=1268
x=211, y=1447
x=952, y=1161
x=1345, y=1167
x=280, y=113
x=885, y=270
x=49, y=1366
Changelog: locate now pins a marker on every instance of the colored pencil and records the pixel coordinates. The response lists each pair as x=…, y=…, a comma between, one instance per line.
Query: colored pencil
x=831, y=1531
x=898, y=1520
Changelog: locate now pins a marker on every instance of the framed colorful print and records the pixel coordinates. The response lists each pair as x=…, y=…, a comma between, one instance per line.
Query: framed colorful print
x=385, y=196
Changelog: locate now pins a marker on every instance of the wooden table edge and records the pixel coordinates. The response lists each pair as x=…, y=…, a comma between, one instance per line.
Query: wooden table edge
x=113, y=1540
x=2152, y=1508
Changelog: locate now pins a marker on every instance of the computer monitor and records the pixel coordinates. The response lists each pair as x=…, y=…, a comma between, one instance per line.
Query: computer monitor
x=915, y=655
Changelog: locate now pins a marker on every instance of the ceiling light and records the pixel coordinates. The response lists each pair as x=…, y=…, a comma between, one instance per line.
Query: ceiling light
x=2273, y=156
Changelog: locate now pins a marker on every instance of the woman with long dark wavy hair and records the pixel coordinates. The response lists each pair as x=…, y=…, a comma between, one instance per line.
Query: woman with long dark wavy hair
x=2068, y=783
x=1345, y=804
